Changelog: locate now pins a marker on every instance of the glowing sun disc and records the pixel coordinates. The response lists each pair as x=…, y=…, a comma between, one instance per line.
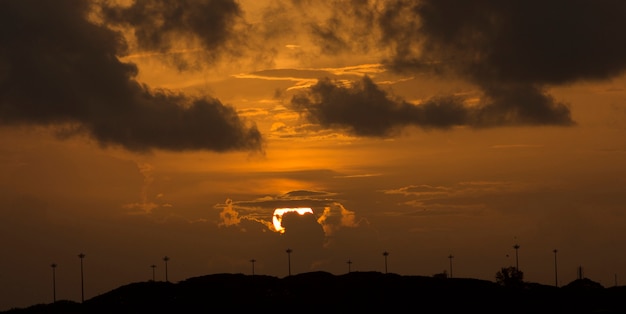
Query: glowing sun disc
x=279, y=212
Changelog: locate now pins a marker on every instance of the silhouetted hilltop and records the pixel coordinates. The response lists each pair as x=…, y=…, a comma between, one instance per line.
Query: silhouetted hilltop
x=352, y=292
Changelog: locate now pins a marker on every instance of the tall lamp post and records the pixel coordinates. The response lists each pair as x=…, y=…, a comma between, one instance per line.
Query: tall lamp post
x=349, y=264
x=82, y=278
x=516, y=247
x=556, y=277
x=450, y=257
x=385, y=254
x=252, y=261
x=289, y=260
x=54, y=283
x=165, y=259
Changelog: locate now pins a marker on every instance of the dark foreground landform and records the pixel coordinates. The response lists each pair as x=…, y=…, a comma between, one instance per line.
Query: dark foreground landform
x=354, y=292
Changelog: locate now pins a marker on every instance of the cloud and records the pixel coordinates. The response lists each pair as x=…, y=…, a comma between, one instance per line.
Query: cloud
x=421, y=190
x=57, y=68
x=164, y=26
x=228, y=215
x=491, y=41
x=462, y=198
x=146, y=205
x=329, y=213
x=305, y=194
x=364, y=109
x=336, y=216
x=511, y=58
x=292, y=199
x=233, y=214
x=330, y=33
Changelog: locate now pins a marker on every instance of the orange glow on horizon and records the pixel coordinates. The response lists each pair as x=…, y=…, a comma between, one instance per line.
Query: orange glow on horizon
x=279, y=212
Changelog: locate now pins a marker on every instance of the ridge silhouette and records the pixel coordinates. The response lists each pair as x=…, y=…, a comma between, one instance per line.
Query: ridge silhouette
x=352, y=292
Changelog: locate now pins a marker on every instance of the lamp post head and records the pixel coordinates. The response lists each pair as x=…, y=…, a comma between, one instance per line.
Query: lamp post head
x=288, y=251
x=53, y=265
x=385, y=253
x=81, y=255
x=166, y=258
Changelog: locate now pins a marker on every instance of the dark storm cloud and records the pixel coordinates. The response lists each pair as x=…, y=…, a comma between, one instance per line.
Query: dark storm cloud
x=333, y=35
x=158, y=25
x=364, y=109
x=369, y=111
x=513, y=51
x=532, y=42
x=58, y=68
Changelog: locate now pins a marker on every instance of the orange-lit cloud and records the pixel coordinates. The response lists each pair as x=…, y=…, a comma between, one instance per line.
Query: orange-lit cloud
x=279, y=212
x=146, y=206
x=336, y=216
x=229, y=216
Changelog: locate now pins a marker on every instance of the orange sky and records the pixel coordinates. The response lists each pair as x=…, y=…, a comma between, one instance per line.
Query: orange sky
x=402, y=133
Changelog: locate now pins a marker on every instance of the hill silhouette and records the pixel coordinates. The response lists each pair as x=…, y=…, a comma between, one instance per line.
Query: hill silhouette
x=352, y=292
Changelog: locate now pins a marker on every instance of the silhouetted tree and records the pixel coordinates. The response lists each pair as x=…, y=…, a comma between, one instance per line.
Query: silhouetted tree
x=510, y=277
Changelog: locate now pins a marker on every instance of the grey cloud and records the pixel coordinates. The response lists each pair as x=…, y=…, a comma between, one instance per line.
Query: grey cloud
x=316, y=200
x=521, y=104
x=300, y=194
x=333, y=35
x=533, y=42
x=423, y=189
x=57, y=68
x=158, y=25
x=364, y=109
x=271, y=204
x=513, y=51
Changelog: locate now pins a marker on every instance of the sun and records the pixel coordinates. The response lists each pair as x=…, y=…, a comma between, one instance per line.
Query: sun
x=279, y=212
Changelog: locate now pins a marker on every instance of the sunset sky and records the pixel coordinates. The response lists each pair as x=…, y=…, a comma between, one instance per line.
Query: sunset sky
x=134, y=130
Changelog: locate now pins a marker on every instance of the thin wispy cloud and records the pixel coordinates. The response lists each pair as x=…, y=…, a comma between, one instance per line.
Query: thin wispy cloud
x=462, y=198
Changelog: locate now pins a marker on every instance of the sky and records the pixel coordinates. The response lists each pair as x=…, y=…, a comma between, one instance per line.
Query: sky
x=135, y=130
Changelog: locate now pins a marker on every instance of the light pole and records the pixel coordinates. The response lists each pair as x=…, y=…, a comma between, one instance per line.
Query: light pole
x=450, y=257
x=516, y=247
x=289, y=260
x=252, y=261
x=385, y=254
x=556, y=277
x=54, y=283
x=165, y=259
x=153, y=267
x=82, y=281
x=349, y=264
